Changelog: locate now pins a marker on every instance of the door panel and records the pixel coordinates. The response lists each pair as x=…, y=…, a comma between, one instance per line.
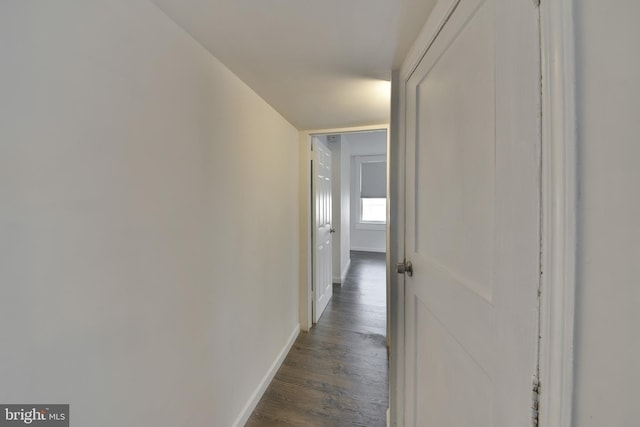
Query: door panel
x=322, y=269
x=472, y=219
x=454, y=186
x=450, y=364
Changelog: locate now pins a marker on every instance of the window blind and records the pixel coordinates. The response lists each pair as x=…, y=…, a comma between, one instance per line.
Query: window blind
x=373, y=180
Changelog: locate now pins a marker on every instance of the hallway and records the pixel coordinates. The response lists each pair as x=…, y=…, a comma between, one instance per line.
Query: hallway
x=337, y=373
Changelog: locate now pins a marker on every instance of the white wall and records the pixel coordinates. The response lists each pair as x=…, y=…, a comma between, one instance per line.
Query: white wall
x=148, y=219
x=607, y=344
x=361, y=144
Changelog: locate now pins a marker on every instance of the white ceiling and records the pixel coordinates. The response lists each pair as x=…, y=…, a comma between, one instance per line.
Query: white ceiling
x=320, y=63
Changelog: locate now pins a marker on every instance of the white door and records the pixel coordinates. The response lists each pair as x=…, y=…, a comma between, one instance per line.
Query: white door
x=472, y=219
x=322, y=274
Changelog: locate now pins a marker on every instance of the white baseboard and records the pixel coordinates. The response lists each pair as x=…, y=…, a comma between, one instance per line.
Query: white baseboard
x=345, y=270
x=343, y=276
x=266, y=380
x=362, y=249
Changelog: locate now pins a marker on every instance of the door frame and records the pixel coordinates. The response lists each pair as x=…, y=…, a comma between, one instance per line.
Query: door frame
x=305, y=227
x=558, y=210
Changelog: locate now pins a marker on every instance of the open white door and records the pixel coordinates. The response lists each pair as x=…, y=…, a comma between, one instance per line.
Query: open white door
x=322, y=283
x=472, y=122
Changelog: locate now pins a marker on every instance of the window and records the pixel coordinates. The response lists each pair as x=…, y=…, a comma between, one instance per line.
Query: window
x=372, y=180
x=373, y=210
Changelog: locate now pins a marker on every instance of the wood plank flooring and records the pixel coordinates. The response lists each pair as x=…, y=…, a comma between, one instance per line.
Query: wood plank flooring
x=337, y=373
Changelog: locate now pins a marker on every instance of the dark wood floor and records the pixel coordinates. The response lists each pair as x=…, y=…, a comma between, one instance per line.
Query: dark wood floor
x=336, y=374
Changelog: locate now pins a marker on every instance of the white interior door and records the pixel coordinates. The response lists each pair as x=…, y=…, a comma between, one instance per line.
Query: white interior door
x=472, y=219
x=322, y=229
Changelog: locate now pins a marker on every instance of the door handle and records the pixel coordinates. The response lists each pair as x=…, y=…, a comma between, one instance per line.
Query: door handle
x=332, y=230
x=405, y=267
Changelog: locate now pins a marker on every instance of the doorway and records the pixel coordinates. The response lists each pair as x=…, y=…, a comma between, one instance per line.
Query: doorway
x=358, y=219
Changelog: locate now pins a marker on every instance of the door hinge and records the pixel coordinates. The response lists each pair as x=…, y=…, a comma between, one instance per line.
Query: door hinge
x=536, y=3
x=535, y=401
